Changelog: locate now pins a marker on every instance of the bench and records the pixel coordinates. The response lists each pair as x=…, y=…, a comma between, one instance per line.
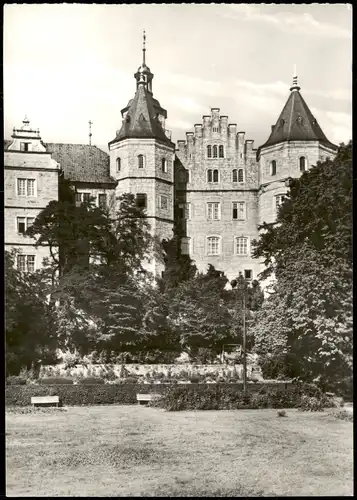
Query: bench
x=45, y=400
x=145, y=398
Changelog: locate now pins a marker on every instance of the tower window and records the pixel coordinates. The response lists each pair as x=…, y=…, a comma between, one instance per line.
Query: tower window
x=141, y=161
x=238, y=210
x=302, y=162
x=215, y=129
x=234, y=175
x=164, y=165
x=118, y=164
x=279, y=199
x=215, y=152
x=26, y=187
x=215, y=175
x=273, y=168
x=24, y=146
x=221, y=151
x=141, y=201
x=242, y=245
x=213, y=244
x=209, y=175
x=185, y=245
x=240, y=175
x=209, y=151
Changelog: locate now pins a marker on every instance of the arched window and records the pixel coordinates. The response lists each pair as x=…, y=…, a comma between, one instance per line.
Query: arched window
x=141, y=161
x=215, y=175
x=302, y=162
x=215, y=152
x=209, y=175
x=234, y=175
x=221, y=151
x=242, y=245
x=273, y=168
x=118, y=164
x=240, y=175
x=209, y=151
x=164, y=165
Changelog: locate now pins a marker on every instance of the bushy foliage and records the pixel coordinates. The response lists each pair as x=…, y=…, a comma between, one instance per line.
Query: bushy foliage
x=55, y=381
x=15, y=380
x=304, y=328
x=91, y=380
x=311, y=403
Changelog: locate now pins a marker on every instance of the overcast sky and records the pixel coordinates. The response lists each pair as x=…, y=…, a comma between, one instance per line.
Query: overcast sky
x=65, y=64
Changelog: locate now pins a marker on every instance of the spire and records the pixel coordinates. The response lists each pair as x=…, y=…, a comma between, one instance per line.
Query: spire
x=26, y=123
x=144, y=75
x=144, y=49
x=295, y=85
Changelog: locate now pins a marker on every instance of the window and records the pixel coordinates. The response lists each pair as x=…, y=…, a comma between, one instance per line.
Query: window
x=213, y=245
x=24, y=146
x=215, y=152
x=82, y=198
x=302, y=163
x=234, y=175
x=141, y=200
x=185, y=210
x=209, y=151
x=209, y=175
x=273, y=168
x=102, y=200
x=26, y=263
x=242, y=245
x=164, y=165
x=248, y=274
x=26, y=187
x=164, y=202
x=85, y=197
x=185, y=245
x=215, y=175
x=240, y=175
x=213, y=211
x=221, y=151
x=78, y=198
x=141, y=161
x=279, y=200
x=238, y=210
x=23, y=223
x=118, y=164
x=215, y=129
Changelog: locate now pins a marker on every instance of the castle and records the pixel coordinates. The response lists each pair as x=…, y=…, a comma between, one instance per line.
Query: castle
x=214, y=184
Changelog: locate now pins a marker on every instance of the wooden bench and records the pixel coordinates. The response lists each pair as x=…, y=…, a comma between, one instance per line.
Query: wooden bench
x=145, y=398
x=45, y=401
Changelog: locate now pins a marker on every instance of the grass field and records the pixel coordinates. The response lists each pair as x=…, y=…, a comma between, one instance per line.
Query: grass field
x=141, y=451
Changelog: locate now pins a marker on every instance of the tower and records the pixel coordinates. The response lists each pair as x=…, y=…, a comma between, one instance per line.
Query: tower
x=142, y=157
x=295, y=144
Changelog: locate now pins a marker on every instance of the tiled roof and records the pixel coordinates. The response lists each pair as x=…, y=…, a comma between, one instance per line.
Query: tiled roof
x=142, y=120
x=296, y=123
x=81, y=162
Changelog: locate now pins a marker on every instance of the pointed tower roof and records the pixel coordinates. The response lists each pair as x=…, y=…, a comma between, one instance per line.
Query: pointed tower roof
x=296, y=123
x=143, y=117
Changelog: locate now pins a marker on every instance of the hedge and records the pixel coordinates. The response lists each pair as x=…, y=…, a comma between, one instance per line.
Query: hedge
x=107, y=394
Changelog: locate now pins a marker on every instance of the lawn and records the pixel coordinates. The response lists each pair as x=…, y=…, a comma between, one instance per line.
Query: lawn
x=141, y=451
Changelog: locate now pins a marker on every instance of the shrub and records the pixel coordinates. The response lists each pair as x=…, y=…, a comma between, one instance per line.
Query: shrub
x=91, y=380
x=15, y=380
x=343, y=415
x=56, y=380
x=311, y=403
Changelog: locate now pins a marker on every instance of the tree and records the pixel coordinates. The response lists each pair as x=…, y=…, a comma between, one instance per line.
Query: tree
x=30, y=329
x=306, y=323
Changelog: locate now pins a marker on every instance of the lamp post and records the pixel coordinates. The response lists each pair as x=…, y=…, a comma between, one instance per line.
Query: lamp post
x=240, y=284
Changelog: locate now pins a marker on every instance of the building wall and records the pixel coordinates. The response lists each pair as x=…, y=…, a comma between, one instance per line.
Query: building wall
x=238, y=154
x=37, y=165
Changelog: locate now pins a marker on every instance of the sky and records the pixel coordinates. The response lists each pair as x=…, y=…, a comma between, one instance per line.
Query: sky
x=66, y=64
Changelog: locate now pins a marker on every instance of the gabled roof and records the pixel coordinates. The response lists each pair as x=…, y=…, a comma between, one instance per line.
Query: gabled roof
x=81, y=162
x=296, y=123
x=141, y=119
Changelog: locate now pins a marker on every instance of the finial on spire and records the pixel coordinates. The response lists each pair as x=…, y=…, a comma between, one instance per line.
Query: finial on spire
x=295, y=85
x=90, y=132
x=144, y=49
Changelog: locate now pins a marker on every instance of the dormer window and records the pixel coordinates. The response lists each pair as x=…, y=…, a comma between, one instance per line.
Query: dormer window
x=302, y=163
x=118, y=164
x=164, y=165
x=273, y=168
x=209, y=151
x=141, y=161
